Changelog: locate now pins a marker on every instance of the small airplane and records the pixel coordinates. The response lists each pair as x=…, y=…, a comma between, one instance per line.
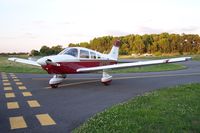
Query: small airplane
x=74, y=60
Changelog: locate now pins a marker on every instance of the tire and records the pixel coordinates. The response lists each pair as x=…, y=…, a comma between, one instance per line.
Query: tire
x=107, y=82
x=53, y=86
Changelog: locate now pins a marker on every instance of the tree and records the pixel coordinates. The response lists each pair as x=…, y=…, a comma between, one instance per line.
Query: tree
x=138, y=45
x=73, y=45
x=153, y=43
x=34, y=53
x=45, y=51
x=84, y=44
x=56, y=49
x=164, y=45
x=148, y=41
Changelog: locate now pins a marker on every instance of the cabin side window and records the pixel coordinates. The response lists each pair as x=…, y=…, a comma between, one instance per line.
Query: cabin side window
x=93, y=55
x=84, y=54
x=98, y=56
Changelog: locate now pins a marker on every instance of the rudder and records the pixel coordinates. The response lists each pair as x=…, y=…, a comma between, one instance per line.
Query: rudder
x=115, y=50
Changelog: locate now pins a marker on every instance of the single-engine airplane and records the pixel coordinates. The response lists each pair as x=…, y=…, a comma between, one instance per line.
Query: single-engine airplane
x=74, y=60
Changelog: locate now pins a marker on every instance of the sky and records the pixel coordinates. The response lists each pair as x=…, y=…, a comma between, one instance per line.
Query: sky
x=30, y=24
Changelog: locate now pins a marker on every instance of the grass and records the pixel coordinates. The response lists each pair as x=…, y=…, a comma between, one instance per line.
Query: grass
x=9, y=66
x=174, y=109
x=14, y=67
x=150, y=57
x=195, y=57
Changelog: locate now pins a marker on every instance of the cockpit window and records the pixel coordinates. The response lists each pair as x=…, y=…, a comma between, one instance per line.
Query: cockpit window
x=70, y=51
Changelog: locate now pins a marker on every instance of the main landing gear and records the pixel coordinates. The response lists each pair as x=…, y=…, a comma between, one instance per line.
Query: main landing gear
x=106, y=78
x=56, y=80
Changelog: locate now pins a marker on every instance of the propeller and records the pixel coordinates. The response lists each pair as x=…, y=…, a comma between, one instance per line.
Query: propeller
x=44, y=61
x=49, y=61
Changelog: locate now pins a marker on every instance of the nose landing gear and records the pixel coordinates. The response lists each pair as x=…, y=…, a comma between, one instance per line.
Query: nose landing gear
x=56, y=80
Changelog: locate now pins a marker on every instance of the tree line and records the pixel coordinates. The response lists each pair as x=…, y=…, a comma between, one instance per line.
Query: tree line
x=157, y=44
x=45, y=50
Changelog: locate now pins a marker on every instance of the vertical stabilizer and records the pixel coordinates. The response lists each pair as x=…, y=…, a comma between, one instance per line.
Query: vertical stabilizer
x=115, y=50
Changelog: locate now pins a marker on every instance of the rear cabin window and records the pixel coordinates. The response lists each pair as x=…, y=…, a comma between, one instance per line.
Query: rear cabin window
x=84, y=54
x=98, y=56
x=93, y=55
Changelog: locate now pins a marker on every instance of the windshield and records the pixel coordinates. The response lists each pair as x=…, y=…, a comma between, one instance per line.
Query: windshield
x=69, y=51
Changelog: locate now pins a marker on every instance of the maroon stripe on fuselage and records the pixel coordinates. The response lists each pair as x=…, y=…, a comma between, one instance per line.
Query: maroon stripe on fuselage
x=71, y=67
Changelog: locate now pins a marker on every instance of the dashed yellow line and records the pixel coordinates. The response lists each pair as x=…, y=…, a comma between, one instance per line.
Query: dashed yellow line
x=18, y=83
x=45, y=119
x=22, y=87
x=12, y=74
x=33, y=103
x=7, y=88
x=26, y=94
x=6, y=84
x=16, y=80
x=5, y=80
x=17, y=122
x=12, y=105
x=14, y=77
x=9, y=95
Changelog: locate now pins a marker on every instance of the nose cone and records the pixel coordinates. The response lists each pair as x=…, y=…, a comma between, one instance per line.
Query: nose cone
x=42, y=61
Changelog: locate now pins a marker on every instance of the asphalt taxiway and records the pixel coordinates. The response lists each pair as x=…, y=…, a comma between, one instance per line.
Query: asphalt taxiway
x=29, y=105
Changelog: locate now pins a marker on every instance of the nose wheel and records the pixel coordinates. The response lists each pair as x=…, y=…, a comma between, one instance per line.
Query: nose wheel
x=54, y=86
x=56, y=80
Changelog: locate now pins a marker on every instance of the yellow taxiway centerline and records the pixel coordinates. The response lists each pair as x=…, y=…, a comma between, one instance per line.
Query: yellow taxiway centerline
x=131, y=77
x=157, y=76
x=78, y=83
x=66, y=78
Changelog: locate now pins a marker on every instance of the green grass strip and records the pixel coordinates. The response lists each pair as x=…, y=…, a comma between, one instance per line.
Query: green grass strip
x=171, y=110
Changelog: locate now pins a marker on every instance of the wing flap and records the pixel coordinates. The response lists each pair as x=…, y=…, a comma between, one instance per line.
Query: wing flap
x=134, y=64
x=25, y=61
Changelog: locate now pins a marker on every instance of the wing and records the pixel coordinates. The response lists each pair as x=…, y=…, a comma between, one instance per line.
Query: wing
x=134, y=64
x=25, y=61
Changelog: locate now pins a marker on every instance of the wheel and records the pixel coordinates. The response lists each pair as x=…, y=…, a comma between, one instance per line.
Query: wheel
x=54, y=86
x=107, y=82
